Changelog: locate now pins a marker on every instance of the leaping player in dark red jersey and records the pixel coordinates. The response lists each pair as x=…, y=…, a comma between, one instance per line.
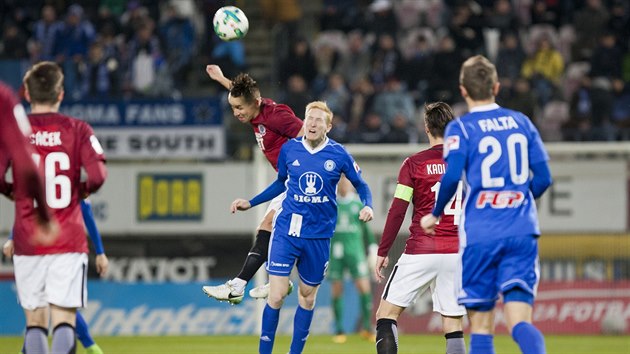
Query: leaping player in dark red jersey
x=273, y=124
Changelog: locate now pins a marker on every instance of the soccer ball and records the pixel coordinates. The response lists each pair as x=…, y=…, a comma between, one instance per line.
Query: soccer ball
x=230, y=23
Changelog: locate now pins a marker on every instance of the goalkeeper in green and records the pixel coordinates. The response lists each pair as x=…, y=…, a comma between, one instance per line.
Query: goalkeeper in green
x=347, y=252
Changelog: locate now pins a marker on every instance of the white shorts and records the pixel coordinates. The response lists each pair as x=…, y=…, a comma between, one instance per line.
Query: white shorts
x=414, y=273
x=276, y=203
x=58, y=279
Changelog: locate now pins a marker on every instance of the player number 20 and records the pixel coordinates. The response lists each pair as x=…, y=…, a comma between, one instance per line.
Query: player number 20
x=519, y=170
x=58, y=187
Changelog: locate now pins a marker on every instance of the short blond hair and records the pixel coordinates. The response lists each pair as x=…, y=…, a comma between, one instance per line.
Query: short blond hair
x=320, y=105
x=478, y=76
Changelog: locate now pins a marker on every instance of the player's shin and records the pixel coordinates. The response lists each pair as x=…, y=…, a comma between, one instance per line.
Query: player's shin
x=270, y=320
x=481, y=344
x=455, y=343
x=529, y=338
x=386, y=336
x=257, y=256
x=36, y=340
x=301, y=326
x=64, y=340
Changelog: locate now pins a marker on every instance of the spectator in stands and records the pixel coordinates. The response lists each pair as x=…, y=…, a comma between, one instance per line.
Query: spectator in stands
x=100, y=74
x=602, y=98
x=343, y=15
x=74, y=38
x=387, y=61
x=620, y=114
x=619, y=23
x=381, y=18
x=541, y=13
x=327, y=58
x=13, y=42
x=297, y=95
x=544, y=69
x=106, y=18
x=355, y=63
x=145, y=73
x=418, y=67
x=465, y=29
x=400, y=130
x=362, y=98
x=510, y=58
x=134, y=17
x=580, y=112
x=373, y=130
x=589, y=23
x=444, y=83
x=394, y=100
x=339, y=131
x=300, y=61
x=178, y=38
x=336, y=95
x=502, y=17
x=285, y=16
x=45, y=33
x=521, y=98
x=607, y=57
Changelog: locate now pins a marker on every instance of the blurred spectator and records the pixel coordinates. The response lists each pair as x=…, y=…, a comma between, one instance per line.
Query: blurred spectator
x=465, y=30
x=230, y=56
x=418, y=67
x=341, y=15
x=133, y=18
x=387, y=60
x=13, y=43
x=327, y=57
x=543, y=14
x=619, y=23
x=106, y=18
x=607, y=57
x=146, y=72
x=544, y=68
x=444, y=83
x=510, y=59
x=400, y=130
x=297, y=95
x=178, y=39
x=285, y=15
x=362, y=97
x=580, y=109
x=75, y=37
x=589, y=22
x=355, y=63
x=394, y=101
x=381, y=18
x=591, y=112
x=336, y=95
x=620, y=114
x=100, y=74
x=339, y=131
x=373, y=130
x=521, y=98
x=300, y=61
x=502, y=17
x=45, y=34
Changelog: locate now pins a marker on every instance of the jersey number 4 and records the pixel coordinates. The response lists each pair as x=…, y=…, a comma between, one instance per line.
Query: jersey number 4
x=454, y=206
x=58, y=187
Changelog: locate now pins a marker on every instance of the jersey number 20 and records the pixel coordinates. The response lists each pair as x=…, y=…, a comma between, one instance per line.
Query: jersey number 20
x=519, y=170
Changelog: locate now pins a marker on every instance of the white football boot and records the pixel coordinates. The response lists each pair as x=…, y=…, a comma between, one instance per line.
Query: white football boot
x=224, y=292
x=262, y=291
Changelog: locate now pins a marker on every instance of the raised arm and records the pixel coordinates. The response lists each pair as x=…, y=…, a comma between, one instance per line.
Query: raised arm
x=215, y=73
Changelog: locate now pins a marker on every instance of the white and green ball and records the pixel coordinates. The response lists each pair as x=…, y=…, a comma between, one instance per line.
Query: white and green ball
x=230, y=23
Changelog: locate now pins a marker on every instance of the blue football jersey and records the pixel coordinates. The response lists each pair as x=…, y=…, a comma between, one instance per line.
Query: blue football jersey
x=310, y=207
x=498, y=146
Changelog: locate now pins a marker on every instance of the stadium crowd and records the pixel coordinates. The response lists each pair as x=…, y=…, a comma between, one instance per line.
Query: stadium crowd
x=566, y=64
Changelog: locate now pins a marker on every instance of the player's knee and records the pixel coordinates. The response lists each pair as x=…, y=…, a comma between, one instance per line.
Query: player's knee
x=261, y=245
x=518, y=294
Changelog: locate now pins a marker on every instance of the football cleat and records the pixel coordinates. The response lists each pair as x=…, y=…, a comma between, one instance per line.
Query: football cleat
x=339, y=338
x=224, y=292
x=93, y=349
x=367, y=335
x=262, y=291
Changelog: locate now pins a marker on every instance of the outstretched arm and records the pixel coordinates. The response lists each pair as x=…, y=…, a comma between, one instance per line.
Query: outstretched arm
x=215, y=73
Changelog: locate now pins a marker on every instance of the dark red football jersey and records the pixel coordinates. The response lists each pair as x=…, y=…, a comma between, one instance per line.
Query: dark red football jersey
x=422, y=173
x=14, y=128
x=62, y=145
x=274, y=126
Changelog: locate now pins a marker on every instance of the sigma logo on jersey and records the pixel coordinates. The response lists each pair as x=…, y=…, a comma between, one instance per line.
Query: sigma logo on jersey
x=500, y=199
x=311, y=183
x=451, y=143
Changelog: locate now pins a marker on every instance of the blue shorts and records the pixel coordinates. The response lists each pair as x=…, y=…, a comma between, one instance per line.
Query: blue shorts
x=491, y=268
x=309, y=254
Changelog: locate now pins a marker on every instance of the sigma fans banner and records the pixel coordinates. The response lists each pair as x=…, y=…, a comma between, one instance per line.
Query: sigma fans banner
x=150, y=129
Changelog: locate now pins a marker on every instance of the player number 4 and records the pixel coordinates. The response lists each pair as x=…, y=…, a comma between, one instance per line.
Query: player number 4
x=454, y=206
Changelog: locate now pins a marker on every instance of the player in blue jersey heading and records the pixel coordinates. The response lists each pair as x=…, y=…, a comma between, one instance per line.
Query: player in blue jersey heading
x=505, y=165
x=102, y=265
x=309, y=169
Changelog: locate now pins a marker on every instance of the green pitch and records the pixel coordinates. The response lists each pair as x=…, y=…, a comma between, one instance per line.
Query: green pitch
x=323, y=344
